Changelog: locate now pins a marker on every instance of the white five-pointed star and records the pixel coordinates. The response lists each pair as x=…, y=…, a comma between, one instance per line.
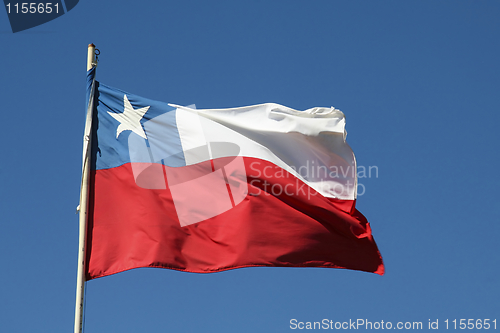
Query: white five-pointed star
x=130, y=119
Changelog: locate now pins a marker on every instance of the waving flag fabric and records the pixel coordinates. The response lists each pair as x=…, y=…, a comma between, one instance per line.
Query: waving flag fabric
x=211, y=190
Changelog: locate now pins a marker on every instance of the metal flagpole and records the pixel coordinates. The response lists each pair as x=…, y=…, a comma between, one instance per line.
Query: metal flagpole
x=80, y=281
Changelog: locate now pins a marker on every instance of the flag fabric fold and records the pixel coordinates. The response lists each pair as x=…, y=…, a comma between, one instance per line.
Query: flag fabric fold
x=211, y=190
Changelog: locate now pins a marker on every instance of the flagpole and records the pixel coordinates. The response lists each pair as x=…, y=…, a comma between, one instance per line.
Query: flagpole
x=80, y=280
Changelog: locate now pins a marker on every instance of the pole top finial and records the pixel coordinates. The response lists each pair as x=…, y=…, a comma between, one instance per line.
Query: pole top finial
x=91, y=57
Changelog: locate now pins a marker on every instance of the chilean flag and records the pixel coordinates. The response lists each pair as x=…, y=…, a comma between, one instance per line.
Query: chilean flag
x=211, y=190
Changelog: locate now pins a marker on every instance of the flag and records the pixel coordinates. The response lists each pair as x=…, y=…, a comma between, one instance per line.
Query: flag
x=211, y=190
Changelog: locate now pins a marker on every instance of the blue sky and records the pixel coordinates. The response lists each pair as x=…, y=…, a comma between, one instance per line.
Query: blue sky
x=419, y=84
